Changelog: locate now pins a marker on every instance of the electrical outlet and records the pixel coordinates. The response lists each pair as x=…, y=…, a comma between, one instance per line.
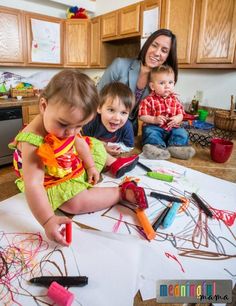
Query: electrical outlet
x=199, y=95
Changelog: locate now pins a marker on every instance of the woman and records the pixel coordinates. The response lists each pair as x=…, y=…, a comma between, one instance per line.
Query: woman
x=159, y=48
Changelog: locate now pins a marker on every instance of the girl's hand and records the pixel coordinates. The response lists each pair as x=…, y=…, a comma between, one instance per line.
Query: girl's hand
x=53, y=229
x=93, y=175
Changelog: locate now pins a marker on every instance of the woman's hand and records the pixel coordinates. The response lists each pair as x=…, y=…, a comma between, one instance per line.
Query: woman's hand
x=93, y=175
x=54, y=231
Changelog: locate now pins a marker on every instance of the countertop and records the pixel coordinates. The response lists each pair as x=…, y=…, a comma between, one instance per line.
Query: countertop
x=12, y=102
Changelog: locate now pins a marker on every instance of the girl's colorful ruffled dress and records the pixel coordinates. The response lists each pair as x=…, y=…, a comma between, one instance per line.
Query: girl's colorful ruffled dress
x=65, y=175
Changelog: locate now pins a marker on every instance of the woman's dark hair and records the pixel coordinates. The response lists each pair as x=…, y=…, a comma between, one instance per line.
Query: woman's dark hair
x=172, y=57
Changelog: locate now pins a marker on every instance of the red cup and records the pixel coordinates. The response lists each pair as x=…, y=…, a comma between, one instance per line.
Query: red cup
x=221, y=149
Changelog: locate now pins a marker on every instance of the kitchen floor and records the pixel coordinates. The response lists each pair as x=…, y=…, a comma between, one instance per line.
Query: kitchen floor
x=200, y=162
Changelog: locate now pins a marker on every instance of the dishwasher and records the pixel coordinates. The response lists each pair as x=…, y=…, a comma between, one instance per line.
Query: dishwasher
x=10, y=124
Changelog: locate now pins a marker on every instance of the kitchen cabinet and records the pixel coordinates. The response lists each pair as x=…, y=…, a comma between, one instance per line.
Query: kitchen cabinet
x=103, y=53
x=217, y=33
x=110, y=26
x=95, y=42
x=150, y=4
x=129, y=20
x=12, y=34
x=122, y=23
x=178, y=16
x=77, y=43
x=120, y=34
x=29, y=112
x=205, y=31
x=44, y=40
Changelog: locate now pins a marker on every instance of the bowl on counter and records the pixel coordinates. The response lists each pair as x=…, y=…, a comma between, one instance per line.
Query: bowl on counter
x=4, y=97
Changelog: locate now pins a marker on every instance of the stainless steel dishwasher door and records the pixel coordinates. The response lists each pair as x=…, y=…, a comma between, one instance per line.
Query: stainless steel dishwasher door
x=10, y=124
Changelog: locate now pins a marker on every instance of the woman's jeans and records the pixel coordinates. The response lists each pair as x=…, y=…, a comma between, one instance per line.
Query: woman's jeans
x=154, y=135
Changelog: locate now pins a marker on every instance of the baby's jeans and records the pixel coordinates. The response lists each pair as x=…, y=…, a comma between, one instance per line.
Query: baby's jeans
x=154, y=135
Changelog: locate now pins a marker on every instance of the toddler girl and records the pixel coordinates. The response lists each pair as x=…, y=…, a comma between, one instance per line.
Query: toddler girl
x=57, y=167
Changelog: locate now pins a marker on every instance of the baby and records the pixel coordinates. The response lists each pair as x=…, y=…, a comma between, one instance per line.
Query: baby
x=162, y=113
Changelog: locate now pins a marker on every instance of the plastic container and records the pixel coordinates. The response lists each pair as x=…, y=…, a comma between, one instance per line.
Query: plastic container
x=202, y=114
x=221, y=149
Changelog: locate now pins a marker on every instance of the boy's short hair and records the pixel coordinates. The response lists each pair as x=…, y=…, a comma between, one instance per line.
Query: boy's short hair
x=160, y=69
x=120, y=90
x=75, y=89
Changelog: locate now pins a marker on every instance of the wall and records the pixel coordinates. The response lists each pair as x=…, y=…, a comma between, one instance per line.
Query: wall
x=104, y=6
x=42, y=7
x=55, y=8
x=217, y=85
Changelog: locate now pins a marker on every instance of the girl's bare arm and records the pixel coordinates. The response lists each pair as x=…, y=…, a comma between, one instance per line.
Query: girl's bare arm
x=89, y=164
x=84, y=152
x=33, y=175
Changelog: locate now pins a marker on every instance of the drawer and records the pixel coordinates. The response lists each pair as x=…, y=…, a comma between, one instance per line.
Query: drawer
x=33, y=109
x=31, y=117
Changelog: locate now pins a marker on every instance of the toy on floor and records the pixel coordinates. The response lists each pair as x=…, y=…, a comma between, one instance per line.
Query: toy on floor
x=166, y=218
x=156, y=175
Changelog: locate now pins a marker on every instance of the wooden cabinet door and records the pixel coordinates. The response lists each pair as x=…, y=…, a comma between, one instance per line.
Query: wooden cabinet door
x=12, y=39
x=95, y=49
x=178, y=16
x=29, y=112
x=149, y=5
x=109, y=25
x=129, y=20
x=77, y=38
x=217, y=35
x=44, y=40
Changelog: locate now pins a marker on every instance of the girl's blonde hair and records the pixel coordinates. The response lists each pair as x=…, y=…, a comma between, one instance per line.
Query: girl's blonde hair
x=73, y=88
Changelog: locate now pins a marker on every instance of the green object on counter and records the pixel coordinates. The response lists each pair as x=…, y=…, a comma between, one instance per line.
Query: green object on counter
x=3, y=88
x=161, y=176
x=202, y=114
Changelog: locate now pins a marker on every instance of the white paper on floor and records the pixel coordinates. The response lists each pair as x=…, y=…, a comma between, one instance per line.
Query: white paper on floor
x=111, y=262
x=194, y=246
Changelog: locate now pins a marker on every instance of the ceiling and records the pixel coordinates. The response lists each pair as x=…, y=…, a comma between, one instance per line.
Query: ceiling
x=89, y=5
